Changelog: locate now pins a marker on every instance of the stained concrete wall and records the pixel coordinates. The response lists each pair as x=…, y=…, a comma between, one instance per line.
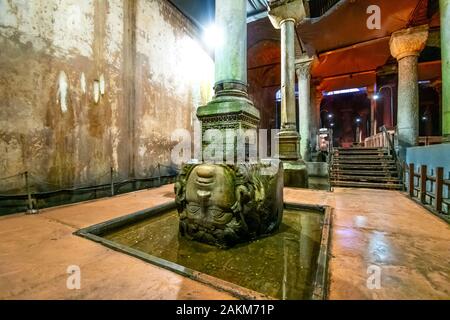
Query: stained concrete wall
x=88, y=85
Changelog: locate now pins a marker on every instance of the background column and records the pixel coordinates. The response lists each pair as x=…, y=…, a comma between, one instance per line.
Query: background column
x=406, y=46
x=306, y=110
x=284, y=15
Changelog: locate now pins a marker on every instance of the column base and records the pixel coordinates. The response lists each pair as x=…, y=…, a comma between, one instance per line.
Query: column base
x=228, y=113
x=288, y=141
x=446, y=139
x=295, y=174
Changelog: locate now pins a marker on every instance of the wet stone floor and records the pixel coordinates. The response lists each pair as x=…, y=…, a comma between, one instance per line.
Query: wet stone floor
x=281, y=266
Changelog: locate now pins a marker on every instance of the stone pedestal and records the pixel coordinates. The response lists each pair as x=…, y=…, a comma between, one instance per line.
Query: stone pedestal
x=406, y=46
x=224, y=203
x=444, y=7
x=284, y=15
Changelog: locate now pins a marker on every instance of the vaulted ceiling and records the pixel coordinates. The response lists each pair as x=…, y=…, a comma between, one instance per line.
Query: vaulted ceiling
x=201, y=12
x=348, y=52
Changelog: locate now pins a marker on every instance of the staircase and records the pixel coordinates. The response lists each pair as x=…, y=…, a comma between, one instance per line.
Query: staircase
x=362, y=167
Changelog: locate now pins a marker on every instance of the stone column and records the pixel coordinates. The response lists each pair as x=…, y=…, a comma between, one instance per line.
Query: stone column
x=306, y=109
x=315, y=100
x=284, y=15
x=230, y=108
x=437, y=85
x=231, y=56
x=406, y=46
x=444, y=7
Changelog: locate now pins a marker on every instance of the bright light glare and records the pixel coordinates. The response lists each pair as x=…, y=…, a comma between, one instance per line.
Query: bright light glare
x=332, y=93
x=213, y=36
x=376, y=96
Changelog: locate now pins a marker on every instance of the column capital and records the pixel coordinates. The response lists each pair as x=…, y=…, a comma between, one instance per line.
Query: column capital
x=408, y=42
x=303, y=67
x=281, y=11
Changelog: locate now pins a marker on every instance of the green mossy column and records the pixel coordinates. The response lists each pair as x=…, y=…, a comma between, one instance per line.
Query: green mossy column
x=445, y=48
x=230, y=108
x=231, y=56
x=406, y=46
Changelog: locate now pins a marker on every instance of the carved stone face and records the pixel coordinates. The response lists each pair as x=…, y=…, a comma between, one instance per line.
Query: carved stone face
x=210, y=196
x=224, y=204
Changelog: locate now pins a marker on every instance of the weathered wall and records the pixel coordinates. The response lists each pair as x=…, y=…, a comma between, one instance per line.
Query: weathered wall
x=88, y=85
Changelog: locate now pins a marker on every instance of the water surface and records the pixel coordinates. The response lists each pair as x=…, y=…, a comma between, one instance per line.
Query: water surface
x=282, y=265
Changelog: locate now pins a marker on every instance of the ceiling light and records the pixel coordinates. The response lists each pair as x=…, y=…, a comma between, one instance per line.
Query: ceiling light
x=213, y=37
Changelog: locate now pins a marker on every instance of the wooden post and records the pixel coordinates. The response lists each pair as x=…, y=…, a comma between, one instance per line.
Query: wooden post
x=423, y=183
x=112, y=181
x=411, y=180
x=439, y=188
x=159, y=175
x=30, y=203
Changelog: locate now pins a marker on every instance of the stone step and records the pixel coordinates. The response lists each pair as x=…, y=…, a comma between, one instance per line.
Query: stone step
x=359, y=148
x=354, y=154
x=364, y=178
x=365, y=172
x=371, y=185
x=360, y=151
x=373, y=167
x=355, y=151
x=369, y=162
x=363, y=157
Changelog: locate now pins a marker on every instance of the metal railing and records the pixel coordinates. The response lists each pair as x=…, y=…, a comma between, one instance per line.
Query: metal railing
x=106, y=184
x=380, y=140
x=318, y=8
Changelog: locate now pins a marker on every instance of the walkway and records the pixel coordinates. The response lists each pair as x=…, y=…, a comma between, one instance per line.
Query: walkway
x=370, y=227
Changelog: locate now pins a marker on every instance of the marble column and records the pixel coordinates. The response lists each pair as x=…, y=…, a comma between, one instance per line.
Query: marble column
x=315, y=100
x=284, y=15
x=444, y=7
x=230, y=107
x=437, y=85
x=306, y=110
x=406, y=46
x=231, y=56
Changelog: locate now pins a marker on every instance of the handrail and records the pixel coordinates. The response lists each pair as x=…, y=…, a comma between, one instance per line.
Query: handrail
x=330, y=164
x=318, y=8
x=330, y=158
x=392, y=150
x=391, y=143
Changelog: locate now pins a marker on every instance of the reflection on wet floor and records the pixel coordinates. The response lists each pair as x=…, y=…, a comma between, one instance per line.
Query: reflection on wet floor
x=282, y=265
